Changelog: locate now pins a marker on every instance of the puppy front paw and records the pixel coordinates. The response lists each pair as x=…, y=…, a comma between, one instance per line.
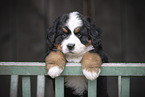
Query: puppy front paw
x=91, y=63
x=54, y=71
x=55, y=63
x=91, y=75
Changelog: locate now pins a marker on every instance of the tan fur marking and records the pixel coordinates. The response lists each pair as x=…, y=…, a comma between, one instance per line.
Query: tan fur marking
x=89, y=43
x=58, y=47
x=77, y=30
x=55, y=59
x=91, y=62
x=64, y=30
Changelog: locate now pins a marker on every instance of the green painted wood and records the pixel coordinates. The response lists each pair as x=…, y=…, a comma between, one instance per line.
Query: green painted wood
x=59, y=87
x=107, y=69
x=125, y=87
x=22, y=68
x=119, y=86
x=92, y=88
x=123, y=70
x=40, y=85
x=14, y=86
x=26, y=86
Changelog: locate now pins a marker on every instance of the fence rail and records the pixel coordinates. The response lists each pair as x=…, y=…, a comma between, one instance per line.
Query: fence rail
x=122, y=70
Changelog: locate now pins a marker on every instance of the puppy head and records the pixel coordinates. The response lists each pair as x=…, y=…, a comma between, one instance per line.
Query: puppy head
x=73, y=33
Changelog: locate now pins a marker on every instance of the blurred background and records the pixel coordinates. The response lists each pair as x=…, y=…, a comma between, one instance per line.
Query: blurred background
x=23, y=24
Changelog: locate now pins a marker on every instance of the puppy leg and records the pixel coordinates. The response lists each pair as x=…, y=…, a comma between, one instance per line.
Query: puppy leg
x=55, y=63
x=91, y=63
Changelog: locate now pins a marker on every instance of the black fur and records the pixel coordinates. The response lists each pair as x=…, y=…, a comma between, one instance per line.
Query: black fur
x=88, y=31
x=55, y=33
x=89, y=28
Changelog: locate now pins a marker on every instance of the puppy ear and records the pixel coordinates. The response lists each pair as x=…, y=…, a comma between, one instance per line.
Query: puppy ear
x=94, y=33
x=51, y=33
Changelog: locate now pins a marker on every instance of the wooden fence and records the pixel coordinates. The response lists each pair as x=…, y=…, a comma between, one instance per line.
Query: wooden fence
x=122, y=70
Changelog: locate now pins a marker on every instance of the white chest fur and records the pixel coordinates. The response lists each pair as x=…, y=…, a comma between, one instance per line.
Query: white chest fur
x=79, y=84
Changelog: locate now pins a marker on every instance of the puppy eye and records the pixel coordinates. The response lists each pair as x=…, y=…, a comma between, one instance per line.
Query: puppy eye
x=64, y=35
x=79, y=35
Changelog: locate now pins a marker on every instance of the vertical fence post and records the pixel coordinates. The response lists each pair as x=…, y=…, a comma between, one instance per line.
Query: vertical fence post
x=14, y=86
x=92, y=88
x=119, y=86
x=40, y=85
x=26, y=86
x=124, y=86
x=59, y=86
x=125, y=81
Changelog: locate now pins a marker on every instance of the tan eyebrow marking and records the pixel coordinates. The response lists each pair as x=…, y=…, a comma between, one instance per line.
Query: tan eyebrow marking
x=77, y=30
x=64, y=30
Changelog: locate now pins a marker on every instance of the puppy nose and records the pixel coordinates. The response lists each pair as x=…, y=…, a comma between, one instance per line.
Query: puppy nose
x=70, y=46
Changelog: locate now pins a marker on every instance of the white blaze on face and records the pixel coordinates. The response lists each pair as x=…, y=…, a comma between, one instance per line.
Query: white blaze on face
x=72, y=23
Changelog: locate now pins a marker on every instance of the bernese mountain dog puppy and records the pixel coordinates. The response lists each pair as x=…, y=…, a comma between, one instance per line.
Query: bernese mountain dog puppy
x=75, y=38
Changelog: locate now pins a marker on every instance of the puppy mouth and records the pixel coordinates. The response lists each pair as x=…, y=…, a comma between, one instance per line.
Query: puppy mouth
x=71, y=52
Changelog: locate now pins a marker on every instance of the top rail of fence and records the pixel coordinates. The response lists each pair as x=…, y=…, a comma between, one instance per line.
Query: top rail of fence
x=72, y=69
